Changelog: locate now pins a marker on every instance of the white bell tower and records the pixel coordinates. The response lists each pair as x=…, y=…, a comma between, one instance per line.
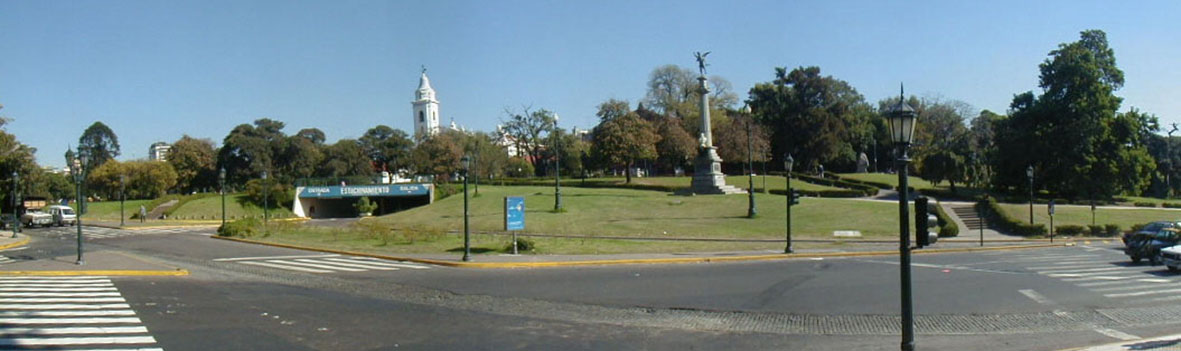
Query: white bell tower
x=426, y=109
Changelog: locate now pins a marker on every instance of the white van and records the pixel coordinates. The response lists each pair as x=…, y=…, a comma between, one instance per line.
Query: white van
x=62, y=215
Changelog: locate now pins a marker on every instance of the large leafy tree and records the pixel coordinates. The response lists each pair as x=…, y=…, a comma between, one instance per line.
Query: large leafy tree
x=818, y=119
x=439, y=155
x=345, y=158
x=15, y=157
x=194, y=161
x=738, y=136
x=385, y=146
x=624, y=140
x=528, y=130
x=1071, y=134
x=99, y=143
x=144, y=179
x=250, y=150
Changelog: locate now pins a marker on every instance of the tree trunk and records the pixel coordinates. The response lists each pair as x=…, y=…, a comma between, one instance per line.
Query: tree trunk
x=628, y=172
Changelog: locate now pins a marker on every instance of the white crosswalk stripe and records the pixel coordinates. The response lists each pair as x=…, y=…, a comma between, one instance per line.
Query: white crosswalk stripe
x=95, y=233
x=1110, y=274
x=64, y=313
x=6, y=259
x=329, y=263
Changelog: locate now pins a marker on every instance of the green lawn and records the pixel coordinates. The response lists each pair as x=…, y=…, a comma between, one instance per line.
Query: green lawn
x=109, y=210
x=892, y=179
x=1081, y=215
x=642, y=213
x=236, y=207
x=773, y=182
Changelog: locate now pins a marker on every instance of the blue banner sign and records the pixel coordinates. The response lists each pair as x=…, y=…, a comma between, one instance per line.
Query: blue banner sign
x=514, y=213
x=336, y=191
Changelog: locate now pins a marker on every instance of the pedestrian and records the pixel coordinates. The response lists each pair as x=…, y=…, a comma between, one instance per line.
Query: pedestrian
x=143, y=213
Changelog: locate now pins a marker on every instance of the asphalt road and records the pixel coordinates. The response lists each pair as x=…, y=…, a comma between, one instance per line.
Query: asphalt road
x=242, y=296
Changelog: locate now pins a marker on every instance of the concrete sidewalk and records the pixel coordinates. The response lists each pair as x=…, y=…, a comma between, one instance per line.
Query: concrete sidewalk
x=1168, y=342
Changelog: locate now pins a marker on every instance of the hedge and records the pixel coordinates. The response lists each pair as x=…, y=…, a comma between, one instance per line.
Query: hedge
x=670, y=188
x=865, y=190
x=947, y=227
x=862, y=182
x=1069, y=229
x=1005, y=223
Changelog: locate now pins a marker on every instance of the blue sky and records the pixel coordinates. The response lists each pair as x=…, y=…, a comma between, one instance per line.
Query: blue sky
x=156, y=70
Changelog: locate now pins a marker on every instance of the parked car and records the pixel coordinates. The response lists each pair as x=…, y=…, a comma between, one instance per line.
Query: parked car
x=62, y=215
x=1152, y=228
x=35, y=217
x=1171, y=257
x=7, y=220
x=1148, y=245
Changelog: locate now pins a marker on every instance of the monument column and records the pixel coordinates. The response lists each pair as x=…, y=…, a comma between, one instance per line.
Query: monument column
x=703, y=88
x=707, y=167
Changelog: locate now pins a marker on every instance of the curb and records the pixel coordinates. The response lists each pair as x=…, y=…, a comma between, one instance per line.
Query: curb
x=19, y=243
x=125, y=273
x=678, y=260
x=1139, y=344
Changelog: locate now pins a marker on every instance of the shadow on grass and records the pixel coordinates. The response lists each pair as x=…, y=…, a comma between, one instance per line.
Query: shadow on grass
x=477, y=250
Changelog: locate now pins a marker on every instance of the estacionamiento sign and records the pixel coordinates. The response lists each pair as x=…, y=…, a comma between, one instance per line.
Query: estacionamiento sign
x=336, y=191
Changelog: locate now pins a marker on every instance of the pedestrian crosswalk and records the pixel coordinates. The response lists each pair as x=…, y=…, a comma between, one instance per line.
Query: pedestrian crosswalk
x=6, y=260
x=329, y=263
x=93, y=233
x=68, y=313
x=1106, y=272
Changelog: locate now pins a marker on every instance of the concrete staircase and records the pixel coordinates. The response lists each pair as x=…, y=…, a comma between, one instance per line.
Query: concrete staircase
x=969, y=216
x=158, y=212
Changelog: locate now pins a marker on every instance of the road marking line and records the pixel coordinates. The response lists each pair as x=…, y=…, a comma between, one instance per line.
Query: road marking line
x=1163, y=299
x=36, y=294
x=280, y=266
x=1143, y=293
x=56, y=300
x=349, y=263
x=1091, y=284
x=270, y=257
x=78, y=341
x=77, y=330
x=1114, y=276
x=382, y=262
x=107, y=320
x=1155, y=285
x=64, y=307
x=313, y=265
x=95, y=313
x=58, y=285
x=1078, y=270
x=57, y=289
x=53, y=278
x=42, y=281
x=1116, y=333
x=1073, y=266
x=1091, y=274
x=1035, y=296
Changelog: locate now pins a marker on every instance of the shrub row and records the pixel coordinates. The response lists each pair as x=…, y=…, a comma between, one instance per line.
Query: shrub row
x=1002, y=220
x=1171, y=205
x=1108, y=230
x=863, y=189
x=947, y=227
x=844, y=193
x=242, y=228
x=878, y=185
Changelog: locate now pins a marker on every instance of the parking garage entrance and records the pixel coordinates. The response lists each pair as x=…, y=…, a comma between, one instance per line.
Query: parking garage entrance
x=337, y=201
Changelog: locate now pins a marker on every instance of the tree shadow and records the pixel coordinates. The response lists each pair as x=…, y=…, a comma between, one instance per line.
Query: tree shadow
x=477, y=250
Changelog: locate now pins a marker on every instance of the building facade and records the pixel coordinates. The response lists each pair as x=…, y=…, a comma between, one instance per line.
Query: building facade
x=426, y=109
x=159, y=151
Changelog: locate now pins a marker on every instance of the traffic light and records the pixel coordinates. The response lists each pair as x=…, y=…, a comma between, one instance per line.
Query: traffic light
x=795, y=197
x=923, y=221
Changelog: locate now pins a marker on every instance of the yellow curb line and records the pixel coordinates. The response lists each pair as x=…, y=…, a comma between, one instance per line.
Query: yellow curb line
x=179, y=272
x=633, y=261
x=20, y=242
x=170, y=227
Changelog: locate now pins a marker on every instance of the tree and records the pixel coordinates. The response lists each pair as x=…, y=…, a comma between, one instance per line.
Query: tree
x=345, y=158
x=250, y=150
x=1071, y=134
x=624, y=140
x=731, y=139
x=144, y=179
x=385, y=146
x=194, y=161
x=15, y=157
x=438, y=155
x=528, y=130
x=99, y=143
x=676, y=147
x=817, y=119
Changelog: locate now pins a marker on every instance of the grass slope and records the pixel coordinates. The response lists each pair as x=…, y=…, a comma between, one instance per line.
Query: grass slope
x=892, y=179
x=236, y=207
x=640, y=213
x=1081, y=215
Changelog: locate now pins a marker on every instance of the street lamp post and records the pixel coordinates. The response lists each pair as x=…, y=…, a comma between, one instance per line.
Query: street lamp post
x=751, y=210
x=788, y=162
x=221, y=182
x=79, y=168
x=901, y=119
x=557, y=168
x=266, y=210
x=122, y=196
x=16, y=203
x=1029, y=174
x=467, y=243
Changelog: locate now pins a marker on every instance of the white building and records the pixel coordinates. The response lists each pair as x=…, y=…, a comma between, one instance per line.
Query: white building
x=159, y=151
x=426, y=109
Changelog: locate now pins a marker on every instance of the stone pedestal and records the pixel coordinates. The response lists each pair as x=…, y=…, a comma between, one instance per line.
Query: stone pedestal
x=707, y=174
